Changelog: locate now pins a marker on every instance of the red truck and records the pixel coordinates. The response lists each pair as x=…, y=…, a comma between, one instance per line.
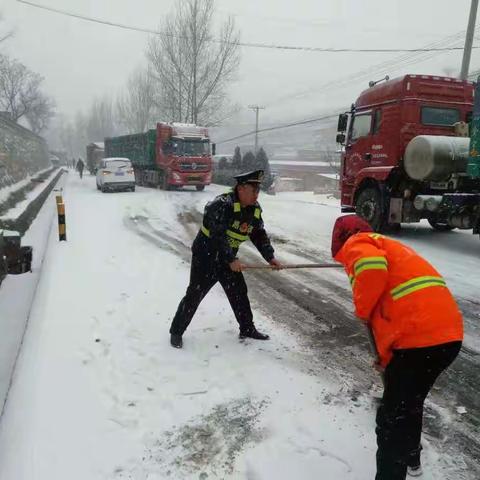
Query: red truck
x=171, y=155
x=405, y=154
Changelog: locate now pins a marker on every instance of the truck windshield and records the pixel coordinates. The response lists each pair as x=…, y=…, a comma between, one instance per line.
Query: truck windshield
x=190, y=148
x=361, y=126
x=444, y=117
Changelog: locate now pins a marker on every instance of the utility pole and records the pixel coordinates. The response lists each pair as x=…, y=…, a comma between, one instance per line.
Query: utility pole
x=467, y=51
x=256, y=108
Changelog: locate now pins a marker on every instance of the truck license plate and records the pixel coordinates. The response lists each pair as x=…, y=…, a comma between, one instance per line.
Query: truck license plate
x=119, y=174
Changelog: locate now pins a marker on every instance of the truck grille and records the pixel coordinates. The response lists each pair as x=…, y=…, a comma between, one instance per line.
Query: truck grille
x=194, y=167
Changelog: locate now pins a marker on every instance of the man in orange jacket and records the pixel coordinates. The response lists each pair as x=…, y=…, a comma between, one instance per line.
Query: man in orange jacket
x=417, y=327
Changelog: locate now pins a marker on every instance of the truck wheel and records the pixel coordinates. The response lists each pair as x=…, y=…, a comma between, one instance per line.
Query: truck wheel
x=369, y=207
x=441, y=227
x=200, y=188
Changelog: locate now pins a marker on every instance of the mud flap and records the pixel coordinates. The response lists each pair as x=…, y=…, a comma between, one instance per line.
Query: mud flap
x=395, y=210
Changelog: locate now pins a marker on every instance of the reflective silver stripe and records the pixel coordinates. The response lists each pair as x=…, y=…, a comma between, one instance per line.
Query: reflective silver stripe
x=237, y=236
x=235, y=239
x=370, y=263
x=415, y=284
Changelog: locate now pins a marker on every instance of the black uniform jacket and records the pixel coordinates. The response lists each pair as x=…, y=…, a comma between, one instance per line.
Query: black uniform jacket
x=219, y=216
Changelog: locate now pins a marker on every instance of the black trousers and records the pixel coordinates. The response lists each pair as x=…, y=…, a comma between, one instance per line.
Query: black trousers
x=408, y=378
x=205, y=272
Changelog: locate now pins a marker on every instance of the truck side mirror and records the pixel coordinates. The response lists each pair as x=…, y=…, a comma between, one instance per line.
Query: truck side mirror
x=342, y=122
x=341, y=138
x=214, y=149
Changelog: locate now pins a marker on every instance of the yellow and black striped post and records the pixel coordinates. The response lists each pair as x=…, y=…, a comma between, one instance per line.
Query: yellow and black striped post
x=62, y=227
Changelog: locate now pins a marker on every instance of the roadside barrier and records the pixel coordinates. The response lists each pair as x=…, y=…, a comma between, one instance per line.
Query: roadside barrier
x=62, y=227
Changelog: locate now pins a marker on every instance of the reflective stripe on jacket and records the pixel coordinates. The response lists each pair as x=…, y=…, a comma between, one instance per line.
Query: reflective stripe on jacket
x=400, y=294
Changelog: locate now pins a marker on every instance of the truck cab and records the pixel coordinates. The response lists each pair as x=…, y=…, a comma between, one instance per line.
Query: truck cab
x=376, y=134
x=183, y=154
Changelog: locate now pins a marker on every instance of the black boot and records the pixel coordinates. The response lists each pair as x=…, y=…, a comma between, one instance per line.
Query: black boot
x=176, y=341
x=253, y=333
x=414, y=466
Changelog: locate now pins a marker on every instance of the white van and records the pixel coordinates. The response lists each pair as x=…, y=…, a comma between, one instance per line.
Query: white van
x=115, y=173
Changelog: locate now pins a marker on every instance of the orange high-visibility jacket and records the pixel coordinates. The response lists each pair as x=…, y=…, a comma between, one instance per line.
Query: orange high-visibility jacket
x=403, y=298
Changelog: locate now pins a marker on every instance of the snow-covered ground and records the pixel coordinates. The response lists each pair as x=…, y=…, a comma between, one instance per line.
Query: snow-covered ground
x=99, y=393
x=15, y=307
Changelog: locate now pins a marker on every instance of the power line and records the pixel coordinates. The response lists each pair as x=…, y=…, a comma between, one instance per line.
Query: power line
x=246, y=44
x=473, y=75
x=279, y=127
x=394, y=64
x=402, y=61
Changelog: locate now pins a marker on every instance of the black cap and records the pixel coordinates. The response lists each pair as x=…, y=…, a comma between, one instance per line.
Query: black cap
x=256, y=176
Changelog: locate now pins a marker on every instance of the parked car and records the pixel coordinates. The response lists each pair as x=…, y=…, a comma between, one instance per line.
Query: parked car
x=115, y=173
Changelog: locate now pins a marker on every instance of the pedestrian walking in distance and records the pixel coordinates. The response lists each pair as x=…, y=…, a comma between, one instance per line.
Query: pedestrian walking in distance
x=418, y=332
x=80, y=167
x=229, y=220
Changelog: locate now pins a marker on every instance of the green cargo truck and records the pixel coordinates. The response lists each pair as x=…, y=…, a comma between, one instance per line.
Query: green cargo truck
x=171, y=155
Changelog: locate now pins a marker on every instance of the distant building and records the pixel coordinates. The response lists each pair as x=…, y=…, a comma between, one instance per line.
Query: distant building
x=309, y=175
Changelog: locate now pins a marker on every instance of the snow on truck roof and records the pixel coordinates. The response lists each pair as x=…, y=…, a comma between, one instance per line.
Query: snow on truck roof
x=425, y=86
x=188, y=130
x=178, y=124
x=124, y=159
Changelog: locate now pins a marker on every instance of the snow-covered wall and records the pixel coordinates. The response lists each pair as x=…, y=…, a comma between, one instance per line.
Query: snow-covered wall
x=22, y=153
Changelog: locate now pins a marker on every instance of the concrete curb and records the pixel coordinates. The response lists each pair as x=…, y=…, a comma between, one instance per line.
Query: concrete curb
x=23, y=222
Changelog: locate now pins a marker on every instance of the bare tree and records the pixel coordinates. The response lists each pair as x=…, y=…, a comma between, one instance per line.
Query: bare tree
x=449, y=71
x=75, y=134
x=100, y=121
x=18, y=87
x=41, y=112
x=21, y=95
x=136, y=106
x=332, y=157
x=192, y=67
x=66, y=136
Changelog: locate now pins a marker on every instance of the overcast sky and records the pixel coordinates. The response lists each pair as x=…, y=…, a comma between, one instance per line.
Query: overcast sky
x=81, y=60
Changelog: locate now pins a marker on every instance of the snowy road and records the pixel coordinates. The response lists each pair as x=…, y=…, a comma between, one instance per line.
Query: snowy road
x=99, y=393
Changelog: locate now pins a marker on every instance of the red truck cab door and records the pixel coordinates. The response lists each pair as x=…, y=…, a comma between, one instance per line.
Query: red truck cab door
x=358, y=154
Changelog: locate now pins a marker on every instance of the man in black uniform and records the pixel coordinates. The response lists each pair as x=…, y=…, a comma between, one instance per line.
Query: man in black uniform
x=228, y=221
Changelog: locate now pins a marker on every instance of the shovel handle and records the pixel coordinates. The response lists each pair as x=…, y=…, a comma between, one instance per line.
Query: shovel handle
x=297, y=265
